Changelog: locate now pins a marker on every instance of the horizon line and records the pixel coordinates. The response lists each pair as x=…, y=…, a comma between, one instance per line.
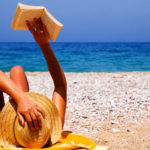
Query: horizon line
x=80, y=42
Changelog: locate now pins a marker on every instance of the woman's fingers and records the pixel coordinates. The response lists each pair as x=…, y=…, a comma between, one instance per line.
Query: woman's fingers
x=21, y=119
x=39, y=31
x=41, y=111
x=30, y=27
x=34, y=119
x=45, y=31
x=29, y=121
x=37, y=25
x=40, y=24
x=38, y=118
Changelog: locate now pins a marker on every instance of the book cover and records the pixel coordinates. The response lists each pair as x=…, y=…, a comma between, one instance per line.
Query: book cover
x=28, y=12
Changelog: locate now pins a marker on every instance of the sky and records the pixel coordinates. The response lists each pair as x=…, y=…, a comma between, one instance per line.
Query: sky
x=86, y=20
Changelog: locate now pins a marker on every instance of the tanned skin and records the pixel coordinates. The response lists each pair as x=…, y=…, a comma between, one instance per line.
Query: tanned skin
x=26, y=109
x=17, y=84
x=41, y=36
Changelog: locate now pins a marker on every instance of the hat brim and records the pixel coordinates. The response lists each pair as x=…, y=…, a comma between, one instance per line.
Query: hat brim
x=8, y=118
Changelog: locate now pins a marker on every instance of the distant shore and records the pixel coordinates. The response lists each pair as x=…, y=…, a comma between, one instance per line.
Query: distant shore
x=109, y=108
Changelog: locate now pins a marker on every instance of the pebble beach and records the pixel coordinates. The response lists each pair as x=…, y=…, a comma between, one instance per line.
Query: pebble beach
x=112, y=109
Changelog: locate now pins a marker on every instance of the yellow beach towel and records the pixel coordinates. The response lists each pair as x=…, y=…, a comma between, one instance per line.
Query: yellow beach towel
x=70, y=141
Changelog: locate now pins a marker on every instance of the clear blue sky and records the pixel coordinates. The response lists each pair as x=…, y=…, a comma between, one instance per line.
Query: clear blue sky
x=86, y=20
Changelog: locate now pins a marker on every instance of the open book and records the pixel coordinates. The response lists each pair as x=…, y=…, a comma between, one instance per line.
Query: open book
x=27, y=12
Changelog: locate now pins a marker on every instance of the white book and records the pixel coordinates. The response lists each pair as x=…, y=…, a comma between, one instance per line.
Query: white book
x=28, y=12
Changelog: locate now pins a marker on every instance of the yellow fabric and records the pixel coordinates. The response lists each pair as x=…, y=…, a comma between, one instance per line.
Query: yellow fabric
x=70, y=141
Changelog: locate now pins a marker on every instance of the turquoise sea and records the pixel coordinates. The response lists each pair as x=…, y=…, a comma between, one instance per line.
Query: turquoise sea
x=79, y=57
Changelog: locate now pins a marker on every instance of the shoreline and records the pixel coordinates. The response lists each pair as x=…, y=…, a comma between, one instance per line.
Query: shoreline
x=35, y=72
x=89, y=72
x=113, y=109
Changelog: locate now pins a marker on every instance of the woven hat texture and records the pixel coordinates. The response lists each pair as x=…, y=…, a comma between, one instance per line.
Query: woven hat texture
x=12, y=134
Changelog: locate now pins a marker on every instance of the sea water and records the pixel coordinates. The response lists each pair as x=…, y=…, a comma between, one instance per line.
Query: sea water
x=78, y=57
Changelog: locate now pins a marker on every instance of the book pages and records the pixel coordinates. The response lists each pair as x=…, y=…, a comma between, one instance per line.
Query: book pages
x=27, y=12
x=52, y=25
x=23, y=13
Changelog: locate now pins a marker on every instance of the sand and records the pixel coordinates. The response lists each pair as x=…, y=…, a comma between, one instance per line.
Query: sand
x=113, y=109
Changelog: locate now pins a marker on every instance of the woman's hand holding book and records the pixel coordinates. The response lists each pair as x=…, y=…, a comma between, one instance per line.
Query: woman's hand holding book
x=39, y=31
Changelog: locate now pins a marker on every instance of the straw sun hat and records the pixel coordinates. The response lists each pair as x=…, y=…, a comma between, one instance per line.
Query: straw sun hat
x=12, y=134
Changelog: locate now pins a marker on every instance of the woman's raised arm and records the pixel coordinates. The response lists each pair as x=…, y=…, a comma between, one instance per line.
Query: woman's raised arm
x=40, y=34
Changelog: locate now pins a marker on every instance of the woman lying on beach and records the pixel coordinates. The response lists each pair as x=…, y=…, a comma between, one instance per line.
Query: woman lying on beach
x=17, y=84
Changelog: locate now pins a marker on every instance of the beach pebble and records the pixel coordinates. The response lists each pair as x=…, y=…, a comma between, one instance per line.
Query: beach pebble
x=117, y=76
x=128, y=130
x=94, y=99
x=115, y=130
x=114, y=122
